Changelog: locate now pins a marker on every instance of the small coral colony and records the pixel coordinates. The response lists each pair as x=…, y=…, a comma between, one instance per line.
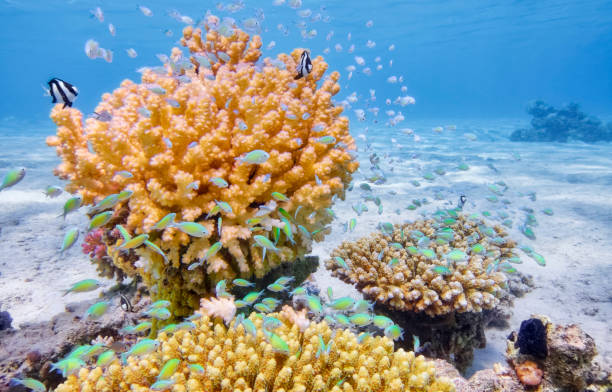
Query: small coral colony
x=211, y=172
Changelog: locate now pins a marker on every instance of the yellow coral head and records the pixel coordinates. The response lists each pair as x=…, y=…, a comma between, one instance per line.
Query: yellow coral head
x=183, y=134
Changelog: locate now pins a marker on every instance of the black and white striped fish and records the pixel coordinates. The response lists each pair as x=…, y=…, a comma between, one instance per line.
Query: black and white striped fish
x=304, y=67
x=62, y=92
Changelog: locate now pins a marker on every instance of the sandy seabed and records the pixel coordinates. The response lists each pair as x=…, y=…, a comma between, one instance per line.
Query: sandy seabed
x=574, y=180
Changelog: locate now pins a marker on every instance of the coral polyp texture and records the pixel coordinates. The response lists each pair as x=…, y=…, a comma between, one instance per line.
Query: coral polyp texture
x=435, y=266
x=213, y=357
x=180, y=141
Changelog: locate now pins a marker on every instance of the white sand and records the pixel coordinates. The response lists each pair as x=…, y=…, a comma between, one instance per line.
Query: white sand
x=575, y=180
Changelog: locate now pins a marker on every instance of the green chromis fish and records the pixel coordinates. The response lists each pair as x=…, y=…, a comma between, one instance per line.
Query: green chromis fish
x=242, y=283
x=71, y=205
x=265, y=243
x=428, y=253
x=156, y=249
x=284, y=280
x=105, y=358
x=277, y=343
x=394, y=332
x=416, y=344
x=192, y=228
x=477, y=248
x=220, y=182
x=263, y=308
x=159, y=313
x=538, y=258
x=30, y=383
x=97, y=310
x=342, y=303
x=124, y=174
x=256, y=157
x=108, y=202
x=284, y=213
x=314, y=304
x=124, y=195
x=279, y=196
x=249, y=327
x=224, y=206
x=212, y=251
x=340, y=261
x=270, y=302
x=168, y=369
x=84, y=286
x=164, y=222
x=342, y=320
x=382, y=322
x=251, y=297
x=298, y=291
x=362, y=306
x=441, y=270
x=352, y=224
x=393, y=262
x=140, y=327
x=12, y=178
x=196, y=368
x=70, y=238
x=456, y=255
x=134, y=242
x=145, y=346
x=124, y=233
x=360, y=319
x=68, y=366
x=323, y=348
x=53, y=191
x=162, y=385
x=326, y=140
x=99, y=220
x=276, y=288
x=162, y=303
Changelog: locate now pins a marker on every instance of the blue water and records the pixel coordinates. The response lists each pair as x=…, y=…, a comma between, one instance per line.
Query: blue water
x=458, y=58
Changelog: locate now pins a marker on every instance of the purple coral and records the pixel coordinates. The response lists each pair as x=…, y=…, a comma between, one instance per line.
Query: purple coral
x=94, y=245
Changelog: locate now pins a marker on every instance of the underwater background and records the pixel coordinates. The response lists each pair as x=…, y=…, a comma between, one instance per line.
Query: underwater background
x=507, y=103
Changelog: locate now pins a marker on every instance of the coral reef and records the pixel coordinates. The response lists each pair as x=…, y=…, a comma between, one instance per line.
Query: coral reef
x=412, y=283
x=218, y=358
x=561, y=125
x=568, y=364
x=434, y=277
x=180, y=142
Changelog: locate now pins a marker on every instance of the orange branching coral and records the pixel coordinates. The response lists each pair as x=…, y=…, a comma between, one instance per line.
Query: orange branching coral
x=411, y=267
x=175, y=139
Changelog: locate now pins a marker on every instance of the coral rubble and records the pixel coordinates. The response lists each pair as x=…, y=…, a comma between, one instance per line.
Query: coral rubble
x=214, y=357
x=561, y=125
x=180, y=142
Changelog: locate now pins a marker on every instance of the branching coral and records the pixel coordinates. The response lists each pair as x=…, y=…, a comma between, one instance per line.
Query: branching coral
x=178, y=141
x=233, y=360
x=420, y=282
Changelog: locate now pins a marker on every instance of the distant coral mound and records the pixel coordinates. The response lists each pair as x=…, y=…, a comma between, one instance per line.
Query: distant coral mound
x=550, y=124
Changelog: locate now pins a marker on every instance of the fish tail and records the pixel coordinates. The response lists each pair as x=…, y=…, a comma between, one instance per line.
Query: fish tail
x=298, y=76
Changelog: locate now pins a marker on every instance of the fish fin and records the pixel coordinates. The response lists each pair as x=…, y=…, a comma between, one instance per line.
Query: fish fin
x=298, y=76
